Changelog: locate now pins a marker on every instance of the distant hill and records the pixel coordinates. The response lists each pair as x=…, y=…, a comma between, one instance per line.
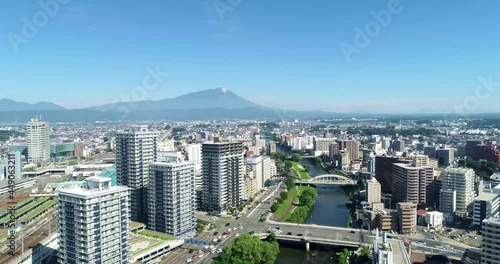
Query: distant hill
x=212, y=98
x=11, y=105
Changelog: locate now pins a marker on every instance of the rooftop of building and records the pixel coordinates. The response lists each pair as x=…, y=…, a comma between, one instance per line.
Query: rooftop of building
x=172, y=164
x=492, y=220
x=486, y=197
x=495, y=176
x=457, y=170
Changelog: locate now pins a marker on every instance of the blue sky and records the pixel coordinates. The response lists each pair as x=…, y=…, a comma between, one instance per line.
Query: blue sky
x=276, y=53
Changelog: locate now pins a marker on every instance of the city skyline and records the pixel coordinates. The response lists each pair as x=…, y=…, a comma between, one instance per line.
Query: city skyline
x=414, y=64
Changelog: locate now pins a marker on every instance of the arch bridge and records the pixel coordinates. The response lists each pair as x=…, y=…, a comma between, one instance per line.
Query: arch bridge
x=328, y=179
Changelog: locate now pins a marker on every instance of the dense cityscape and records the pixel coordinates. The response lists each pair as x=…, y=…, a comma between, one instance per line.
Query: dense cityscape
x=203, y=191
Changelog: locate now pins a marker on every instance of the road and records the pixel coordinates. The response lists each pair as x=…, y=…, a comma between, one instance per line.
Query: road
x=249, y=222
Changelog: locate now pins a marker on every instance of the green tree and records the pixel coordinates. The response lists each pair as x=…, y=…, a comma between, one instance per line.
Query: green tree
x=249, y=249
x=318, y=160
x=275, y=207
x=306, y=200
x=290, y=184
x=365, y=254
x=201, y=227
x=284, y=195
x=296, y=157
x=344, y=256
x=268, y=182
x=280, y=201
x=288, y=164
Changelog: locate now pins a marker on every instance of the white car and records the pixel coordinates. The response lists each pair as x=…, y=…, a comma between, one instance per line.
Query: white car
x=189, y=260
x=224, y=237
x=219, y=251
x=229, y=230
x=237, y=235
x=234, y=229
x=212, y=247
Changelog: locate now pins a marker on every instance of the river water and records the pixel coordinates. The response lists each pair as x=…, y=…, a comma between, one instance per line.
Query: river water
x=329, y=210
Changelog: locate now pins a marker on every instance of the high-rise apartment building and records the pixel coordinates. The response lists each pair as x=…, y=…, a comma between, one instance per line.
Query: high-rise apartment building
x=486, y=205
x=407, y=213
x=430, y=151
x=136, y=148
x=383, y=171
x=254, y=169
x=447, y=201
x=491, y=238
x=223, y=176
x=266, y=169
x=194, y=155
x=373, y=191
x=94, y=223
x=38, y=140
x=398, y=145
x=462, y=181
x=333, y=151
x=271, y=148
x=413, y=184
x=445, y=156
x=172, y=197
x=321, y=145
x=351, y=146
x=470, y=146
x=421, y=161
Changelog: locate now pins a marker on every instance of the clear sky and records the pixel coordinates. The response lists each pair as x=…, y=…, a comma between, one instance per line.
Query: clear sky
x=282, y=53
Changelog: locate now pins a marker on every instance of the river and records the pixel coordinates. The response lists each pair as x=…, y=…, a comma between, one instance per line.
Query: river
x=329, y=210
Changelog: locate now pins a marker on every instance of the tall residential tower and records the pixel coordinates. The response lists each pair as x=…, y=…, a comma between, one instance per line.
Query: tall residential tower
x=38, y=139
x=223, y=176
x=94, y=223
x=136, y=148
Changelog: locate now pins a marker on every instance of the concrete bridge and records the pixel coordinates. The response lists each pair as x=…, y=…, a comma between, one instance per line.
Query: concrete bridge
x=325, y=235
x=327, y=179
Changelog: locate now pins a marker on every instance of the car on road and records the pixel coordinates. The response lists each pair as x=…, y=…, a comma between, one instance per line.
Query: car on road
x=299, y=234
x=224, y=237
x=241, y=227
x=229, y=230
x=216, y=233
x=201, y=255
x=228, y=233
x=189, y=260
x=219, y=251
x=352, y=232
x=237, y=218
x=289, y=233
x=228, y=224
x=237, y=235
x=234, y=229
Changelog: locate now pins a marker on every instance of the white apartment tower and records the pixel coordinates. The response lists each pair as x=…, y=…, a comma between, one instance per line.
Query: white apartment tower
x=373, y=191
x=223, y=176
x=172, y=197
x=491, y=238
x=94, y=223
x=194, y=155
x=266, y=169
x=462, y=181
x=38, y=139
x=136, y=148
x=253, y=168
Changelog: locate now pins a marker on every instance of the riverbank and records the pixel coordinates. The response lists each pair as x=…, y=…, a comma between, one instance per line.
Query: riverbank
x=306, y=199
x=300, y=171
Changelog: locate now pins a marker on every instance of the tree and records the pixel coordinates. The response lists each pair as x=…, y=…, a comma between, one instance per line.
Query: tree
x=280, y=201
x=344, y=256
x=284, y=195
x=268, y=182
x=365, y=254
x=296, y=157
x=251, y=199
x=306, y=200
x=288, y=164
x=249, y=249
x=201, y=227
x=319, y=160
x=290, y=184
x=275, y=207
x=72, y=163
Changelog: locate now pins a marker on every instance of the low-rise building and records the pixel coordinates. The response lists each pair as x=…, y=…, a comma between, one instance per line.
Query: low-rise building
x=434, y=219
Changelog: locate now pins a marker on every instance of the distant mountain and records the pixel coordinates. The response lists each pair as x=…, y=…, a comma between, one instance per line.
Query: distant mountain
x=212, y=98
x=11, y=105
